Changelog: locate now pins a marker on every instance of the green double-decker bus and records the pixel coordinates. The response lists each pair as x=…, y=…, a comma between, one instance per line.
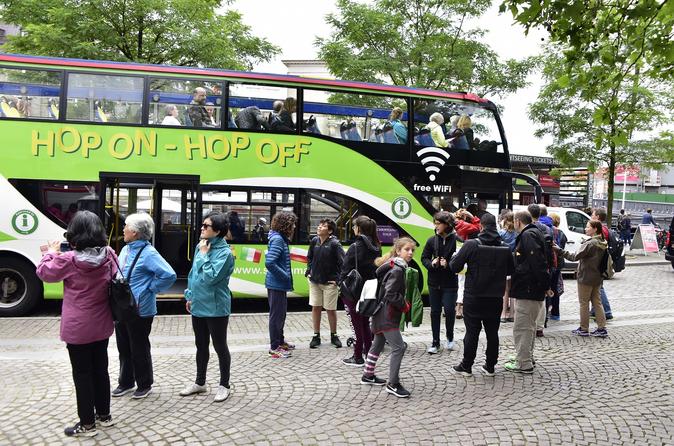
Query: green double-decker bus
x=175, y=142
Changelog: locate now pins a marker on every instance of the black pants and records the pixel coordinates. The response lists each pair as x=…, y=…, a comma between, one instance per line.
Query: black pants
x=479, y=312
x=92, y=382
x=215, y=328
x=440, y=298
x=135, y=358
x=554, y=300
x=278, y=309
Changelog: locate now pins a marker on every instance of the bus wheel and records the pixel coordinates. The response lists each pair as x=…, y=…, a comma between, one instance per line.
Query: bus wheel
x=20, y=289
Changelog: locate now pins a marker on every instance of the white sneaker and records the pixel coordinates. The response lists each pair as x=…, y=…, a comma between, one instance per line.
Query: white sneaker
x=191, y=389
x=433, y=349
x=450, y=345
x=222, y=394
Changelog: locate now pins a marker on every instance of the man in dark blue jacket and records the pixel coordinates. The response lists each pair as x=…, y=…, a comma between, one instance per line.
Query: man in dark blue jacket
x=324, y=264
x=489, y=263
x=530, y=282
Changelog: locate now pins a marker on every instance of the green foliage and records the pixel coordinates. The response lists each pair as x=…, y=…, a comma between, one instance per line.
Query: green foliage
x=420, y=43
x=178, y=32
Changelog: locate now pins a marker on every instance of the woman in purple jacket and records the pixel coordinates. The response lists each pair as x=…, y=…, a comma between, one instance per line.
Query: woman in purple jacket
x=86, y=320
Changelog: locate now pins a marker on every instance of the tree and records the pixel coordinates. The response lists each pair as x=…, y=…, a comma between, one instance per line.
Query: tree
x=614, y=126
x=611, y=75
x=419, y=43
x=178, y=32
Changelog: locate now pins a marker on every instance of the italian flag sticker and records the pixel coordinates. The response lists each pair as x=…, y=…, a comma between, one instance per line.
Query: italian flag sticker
x=251, y=255
x=299, y=255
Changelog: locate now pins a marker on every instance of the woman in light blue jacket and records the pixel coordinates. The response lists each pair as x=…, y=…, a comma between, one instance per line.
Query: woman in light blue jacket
x=210, y=301
x=151, y=275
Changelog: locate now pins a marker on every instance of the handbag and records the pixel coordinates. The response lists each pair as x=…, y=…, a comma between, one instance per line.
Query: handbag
x=352, y=284
x=122, y=303
x=369, y=303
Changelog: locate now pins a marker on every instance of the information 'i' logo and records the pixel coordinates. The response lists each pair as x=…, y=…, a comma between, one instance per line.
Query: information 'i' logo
x=24, y=222
x=432, y=158
x=401, y=207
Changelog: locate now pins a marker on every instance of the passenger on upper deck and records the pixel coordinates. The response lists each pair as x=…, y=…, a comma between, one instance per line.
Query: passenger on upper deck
x=251, y=118
x=286, y=114
x=197, y=111
x=398, y=127
x=171, y=117
x=434, y=125
x=457, y=138
x=464, y=125
x=276, y=121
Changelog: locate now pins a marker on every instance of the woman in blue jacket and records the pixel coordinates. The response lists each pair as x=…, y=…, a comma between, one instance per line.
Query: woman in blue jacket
x=210, y=301
x=279, y=281
x=151, y=275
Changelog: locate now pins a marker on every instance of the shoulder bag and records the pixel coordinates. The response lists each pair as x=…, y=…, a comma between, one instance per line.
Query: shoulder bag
x=122, y=303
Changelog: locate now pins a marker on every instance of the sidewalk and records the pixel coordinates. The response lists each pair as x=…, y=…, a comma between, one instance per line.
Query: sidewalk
x=639, y=259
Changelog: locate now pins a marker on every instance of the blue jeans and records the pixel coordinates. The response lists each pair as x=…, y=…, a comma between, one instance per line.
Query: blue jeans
x=604, y=303
x=626, y=236
x=439, y=298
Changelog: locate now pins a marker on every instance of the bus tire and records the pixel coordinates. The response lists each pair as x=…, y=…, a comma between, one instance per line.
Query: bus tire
x=20, y=288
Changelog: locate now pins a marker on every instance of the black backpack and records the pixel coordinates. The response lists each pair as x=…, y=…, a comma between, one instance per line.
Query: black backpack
x=492, y=264
x=615, y=249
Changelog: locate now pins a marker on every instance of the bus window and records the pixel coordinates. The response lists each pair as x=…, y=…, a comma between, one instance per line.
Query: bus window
x=356, y=117
x=29, y=94
x=103, y=98
x=317, y=205
x=262, y=108
x=456, y=125
x=185, y=103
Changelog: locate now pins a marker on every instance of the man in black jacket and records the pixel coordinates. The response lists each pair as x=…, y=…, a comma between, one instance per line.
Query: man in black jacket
x=443, y=284
x=324, y=264
x=530, y=282
x=489, y=263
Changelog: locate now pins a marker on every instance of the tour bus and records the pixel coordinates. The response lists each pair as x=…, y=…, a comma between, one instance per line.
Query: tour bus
x=176, y=142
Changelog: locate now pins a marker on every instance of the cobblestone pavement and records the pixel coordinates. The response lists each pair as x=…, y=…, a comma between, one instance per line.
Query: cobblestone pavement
x=584, y=391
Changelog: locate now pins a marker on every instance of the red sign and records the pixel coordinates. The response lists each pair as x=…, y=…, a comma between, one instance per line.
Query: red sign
x=548, y=181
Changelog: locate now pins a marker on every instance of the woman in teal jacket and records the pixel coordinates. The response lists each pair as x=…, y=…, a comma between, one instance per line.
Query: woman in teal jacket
x=210, y=301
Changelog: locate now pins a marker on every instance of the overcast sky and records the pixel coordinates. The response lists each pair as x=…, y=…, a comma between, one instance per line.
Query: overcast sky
x=294, y=24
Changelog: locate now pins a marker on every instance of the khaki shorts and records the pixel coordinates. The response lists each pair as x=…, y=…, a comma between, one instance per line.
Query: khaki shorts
x=323, y=295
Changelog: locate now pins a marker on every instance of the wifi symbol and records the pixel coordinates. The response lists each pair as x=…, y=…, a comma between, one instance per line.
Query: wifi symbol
x=430, y=161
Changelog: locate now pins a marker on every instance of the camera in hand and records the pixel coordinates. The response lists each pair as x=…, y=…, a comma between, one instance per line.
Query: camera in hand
x=65, y=247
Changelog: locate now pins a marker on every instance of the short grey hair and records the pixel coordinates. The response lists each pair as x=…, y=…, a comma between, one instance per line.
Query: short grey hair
x=142, y=224
x=169, y=109
x=437, y=118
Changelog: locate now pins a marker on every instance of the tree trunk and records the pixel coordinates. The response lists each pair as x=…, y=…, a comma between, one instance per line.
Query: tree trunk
x=611, y=178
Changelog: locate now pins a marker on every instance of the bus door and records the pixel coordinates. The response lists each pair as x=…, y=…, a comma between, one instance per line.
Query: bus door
x=172, y=201
x=177, y=221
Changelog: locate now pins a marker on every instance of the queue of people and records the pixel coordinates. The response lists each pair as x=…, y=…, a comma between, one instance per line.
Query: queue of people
x=503, y=276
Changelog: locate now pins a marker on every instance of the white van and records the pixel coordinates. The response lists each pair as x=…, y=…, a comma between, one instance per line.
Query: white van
x=572, y=222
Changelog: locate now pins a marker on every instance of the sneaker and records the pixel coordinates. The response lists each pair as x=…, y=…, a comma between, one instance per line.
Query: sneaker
x=433, y=349
x=599, y=333
x=487, y=371
x=512, y=367
x=287, y=346
x=609, y=317
x=397, y=390
x=334, y=340
x=222, y=394
x=580, y=332
x=80, y=430
x=141, y=393
x=513, y=358
x=459, y=311
x=315, y=341
x=121, y=391
x=539, y=333
x=461, y=370
x=555, y=318
x=504, y=320
x=279, y=353
x=372, y=380
x=105, y=421
x=510, y=319
x=449, y=345
x=191, y=389
x=354, y=362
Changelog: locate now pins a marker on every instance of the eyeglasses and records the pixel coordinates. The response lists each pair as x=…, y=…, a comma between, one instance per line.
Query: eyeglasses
x=206, y=225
